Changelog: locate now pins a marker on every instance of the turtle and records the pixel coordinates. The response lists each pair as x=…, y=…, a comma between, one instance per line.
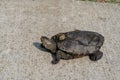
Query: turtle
x=74, y=44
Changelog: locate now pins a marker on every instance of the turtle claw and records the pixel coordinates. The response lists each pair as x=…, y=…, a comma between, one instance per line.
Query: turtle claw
x=54, y=61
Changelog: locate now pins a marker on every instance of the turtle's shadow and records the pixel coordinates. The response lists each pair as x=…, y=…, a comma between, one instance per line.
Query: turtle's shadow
x=40, y=47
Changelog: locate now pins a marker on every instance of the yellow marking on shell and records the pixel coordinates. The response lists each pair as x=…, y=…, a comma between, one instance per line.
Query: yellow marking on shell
x=62, y=37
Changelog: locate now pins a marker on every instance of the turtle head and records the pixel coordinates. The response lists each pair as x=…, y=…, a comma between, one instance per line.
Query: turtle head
x=48, y=44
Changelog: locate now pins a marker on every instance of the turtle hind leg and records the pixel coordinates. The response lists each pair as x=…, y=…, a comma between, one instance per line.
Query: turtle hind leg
x=96, y=56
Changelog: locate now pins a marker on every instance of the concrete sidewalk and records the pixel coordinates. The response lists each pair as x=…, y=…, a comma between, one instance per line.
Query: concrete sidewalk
x=23, y=22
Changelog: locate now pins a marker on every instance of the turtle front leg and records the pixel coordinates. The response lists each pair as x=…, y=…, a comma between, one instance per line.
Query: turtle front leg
x=57, y=57
x=96, y=56
x=61, y=55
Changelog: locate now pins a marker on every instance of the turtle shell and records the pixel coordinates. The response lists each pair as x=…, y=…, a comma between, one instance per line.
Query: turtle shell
x=79, y=42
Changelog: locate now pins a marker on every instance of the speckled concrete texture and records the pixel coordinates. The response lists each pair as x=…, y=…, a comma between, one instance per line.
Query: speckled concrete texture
x=23, y=22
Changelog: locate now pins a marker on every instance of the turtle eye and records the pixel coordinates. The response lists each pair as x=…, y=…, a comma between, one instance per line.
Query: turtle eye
x=53, y=38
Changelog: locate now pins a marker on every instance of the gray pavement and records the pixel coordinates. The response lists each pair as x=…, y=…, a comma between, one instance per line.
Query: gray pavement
x=23, y=22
